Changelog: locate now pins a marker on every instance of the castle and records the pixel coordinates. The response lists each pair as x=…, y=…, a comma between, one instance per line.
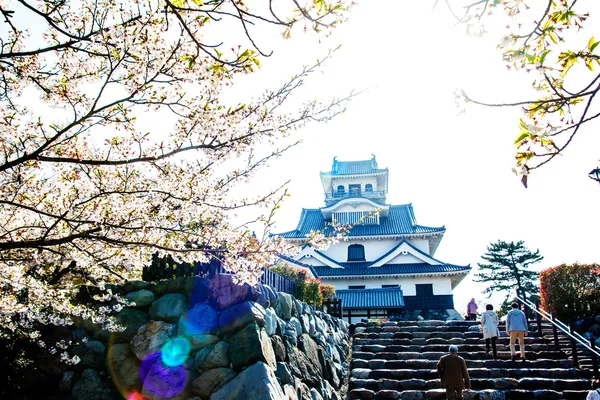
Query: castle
x=386, y=264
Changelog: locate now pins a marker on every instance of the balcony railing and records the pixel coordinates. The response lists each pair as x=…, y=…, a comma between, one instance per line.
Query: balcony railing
x=355, y=193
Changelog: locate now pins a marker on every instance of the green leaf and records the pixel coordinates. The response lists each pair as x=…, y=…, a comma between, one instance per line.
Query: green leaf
x=522, y=137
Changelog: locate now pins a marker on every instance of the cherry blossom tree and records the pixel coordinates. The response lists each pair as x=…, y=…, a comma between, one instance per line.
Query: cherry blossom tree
x=544, y=39
x=88, y=190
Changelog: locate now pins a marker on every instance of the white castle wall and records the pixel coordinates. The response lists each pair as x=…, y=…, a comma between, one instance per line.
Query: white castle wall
x=356, y=205
x=335, y=182
x=441, y=285
x=373, y=248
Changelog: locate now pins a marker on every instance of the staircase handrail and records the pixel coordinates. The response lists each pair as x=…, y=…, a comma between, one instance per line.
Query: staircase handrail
x=564, y=328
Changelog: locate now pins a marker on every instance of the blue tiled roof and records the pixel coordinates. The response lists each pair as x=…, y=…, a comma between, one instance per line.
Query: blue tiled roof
x=355, y=167
x=388, y=269
x=371, y=298
x=401, y=221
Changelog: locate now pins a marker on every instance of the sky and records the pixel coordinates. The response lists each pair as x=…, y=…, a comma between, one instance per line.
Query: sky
x=453, y=166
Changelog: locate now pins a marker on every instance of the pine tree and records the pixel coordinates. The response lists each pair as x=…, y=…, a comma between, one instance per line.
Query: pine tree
x=507, y=269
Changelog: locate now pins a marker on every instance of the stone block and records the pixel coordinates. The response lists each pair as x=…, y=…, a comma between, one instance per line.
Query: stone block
x=133, y=286
x=413, y=384
x=387, y=395
x=278, y=348
x=142, y=298
x=361, y=394
x=255, y=382
x=124, y=367
x=237, y=316
x=224, y=293
x=211, y=381
x=89, y=387
x=130, y=318
x=284, y=307
x=168, y=308
x=490, y=394
x=151, y=337
x=435, y=394
x=198, y=342
x=180, y=285
x=250, y=345
x=411, y=395
x=166, y=382
x=270, y=321
x=284, y=374
x=201, y=319
x=213, y=356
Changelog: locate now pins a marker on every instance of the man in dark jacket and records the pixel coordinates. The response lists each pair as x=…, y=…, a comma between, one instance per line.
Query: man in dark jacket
x=453, y=374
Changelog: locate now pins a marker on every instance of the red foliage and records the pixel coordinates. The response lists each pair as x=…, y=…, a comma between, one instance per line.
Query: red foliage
x=571, y=290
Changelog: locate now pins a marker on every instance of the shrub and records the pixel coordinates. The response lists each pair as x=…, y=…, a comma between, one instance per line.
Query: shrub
x=571, y=290
x=311, y=291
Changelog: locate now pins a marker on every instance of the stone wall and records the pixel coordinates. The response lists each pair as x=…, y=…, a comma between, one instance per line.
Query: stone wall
x=194, y=338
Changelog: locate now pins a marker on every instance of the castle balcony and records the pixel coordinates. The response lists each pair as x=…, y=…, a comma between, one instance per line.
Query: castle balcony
x=369, y=194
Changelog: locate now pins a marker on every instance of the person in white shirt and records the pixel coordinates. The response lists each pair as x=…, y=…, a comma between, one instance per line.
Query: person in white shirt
x=489, y=324
x=594, y=394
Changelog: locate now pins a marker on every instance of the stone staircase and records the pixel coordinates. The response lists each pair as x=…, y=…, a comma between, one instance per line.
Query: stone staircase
x=398, y=360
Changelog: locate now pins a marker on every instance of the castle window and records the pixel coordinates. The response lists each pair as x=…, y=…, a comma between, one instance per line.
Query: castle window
x=341, y=190
x=424, y=290
x=389, y=286
x=356, y=287
x=368, y=188
x=356, y=252
x=354, y=190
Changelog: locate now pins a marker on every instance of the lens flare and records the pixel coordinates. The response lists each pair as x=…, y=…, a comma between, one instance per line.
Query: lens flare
x=175, y=352
x=135, y=396
x=161, y=379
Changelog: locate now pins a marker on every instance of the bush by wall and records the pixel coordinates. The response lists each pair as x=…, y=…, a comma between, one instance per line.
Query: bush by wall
x=311, y=291
x=571, y=290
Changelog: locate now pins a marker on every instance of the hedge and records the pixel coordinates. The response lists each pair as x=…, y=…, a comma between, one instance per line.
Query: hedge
x=571, y=290
x=311, y=291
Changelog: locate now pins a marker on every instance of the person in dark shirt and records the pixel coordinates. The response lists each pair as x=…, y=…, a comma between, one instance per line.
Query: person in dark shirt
x=453, y=374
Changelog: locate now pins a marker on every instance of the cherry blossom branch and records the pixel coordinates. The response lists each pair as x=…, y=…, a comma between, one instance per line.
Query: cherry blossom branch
x=47, y=242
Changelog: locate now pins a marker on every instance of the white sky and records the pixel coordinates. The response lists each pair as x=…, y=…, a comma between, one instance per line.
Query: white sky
x=455, y=169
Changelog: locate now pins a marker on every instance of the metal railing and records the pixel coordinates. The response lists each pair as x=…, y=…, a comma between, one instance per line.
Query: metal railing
x=558, y=325
x=166, y=268
x=354, y=193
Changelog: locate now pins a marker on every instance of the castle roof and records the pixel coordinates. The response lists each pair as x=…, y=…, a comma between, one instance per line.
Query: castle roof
x=371, y=298
x=337, y=270
x=400, y=221
x=355, y=167
x=388, y=269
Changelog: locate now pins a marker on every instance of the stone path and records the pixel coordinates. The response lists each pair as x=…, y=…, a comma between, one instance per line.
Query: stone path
x=397, y=360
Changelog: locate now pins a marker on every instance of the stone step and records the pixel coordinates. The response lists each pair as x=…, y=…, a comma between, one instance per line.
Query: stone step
x=444, y=342
x=387, y=355
x=433, y=323
x=440, y=348
x=488, y=373
x=503, y=383
x=440, y=394
x=398, y=360
x=386, y=360
x=429, y=335
x=432, y=364
x=476, y=356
